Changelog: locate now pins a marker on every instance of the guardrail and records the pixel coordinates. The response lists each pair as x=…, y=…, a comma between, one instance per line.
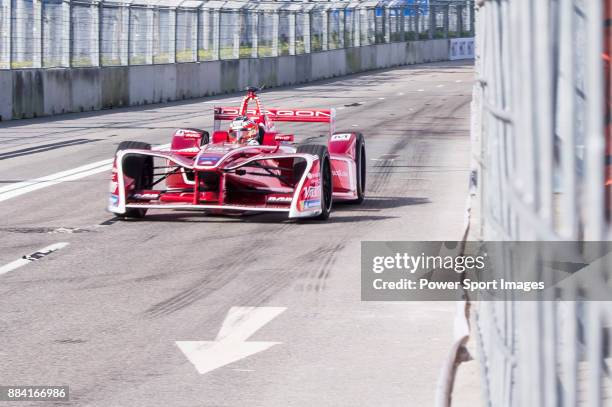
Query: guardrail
x=542, y=143
x=83, y=33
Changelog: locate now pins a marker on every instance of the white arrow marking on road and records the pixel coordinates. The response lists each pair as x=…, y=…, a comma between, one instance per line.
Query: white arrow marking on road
x=230, y=344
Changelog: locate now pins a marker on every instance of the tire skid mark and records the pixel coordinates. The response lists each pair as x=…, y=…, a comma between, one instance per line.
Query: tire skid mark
x=213, y=281
x=315, y=278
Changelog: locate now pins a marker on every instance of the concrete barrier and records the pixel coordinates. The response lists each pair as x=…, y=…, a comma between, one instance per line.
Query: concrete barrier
x=30, y=93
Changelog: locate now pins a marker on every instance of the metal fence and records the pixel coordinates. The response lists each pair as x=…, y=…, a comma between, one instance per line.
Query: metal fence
x=63, y=33
x=542, y=143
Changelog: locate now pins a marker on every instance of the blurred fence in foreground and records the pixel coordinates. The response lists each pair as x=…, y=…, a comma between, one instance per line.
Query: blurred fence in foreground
x=78, y=33
x=542, y=146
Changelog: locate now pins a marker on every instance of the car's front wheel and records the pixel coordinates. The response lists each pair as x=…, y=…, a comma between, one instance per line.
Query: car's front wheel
x=325, y=176
x=139, y=168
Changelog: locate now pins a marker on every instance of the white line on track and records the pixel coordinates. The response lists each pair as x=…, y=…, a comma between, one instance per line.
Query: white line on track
x=32, y=257
x=23, y=187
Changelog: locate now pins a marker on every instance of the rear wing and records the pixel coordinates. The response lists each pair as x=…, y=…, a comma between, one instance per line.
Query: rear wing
x=280, y=115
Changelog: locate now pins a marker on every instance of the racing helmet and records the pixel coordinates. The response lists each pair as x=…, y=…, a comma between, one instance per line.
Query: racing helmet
x=243, y=130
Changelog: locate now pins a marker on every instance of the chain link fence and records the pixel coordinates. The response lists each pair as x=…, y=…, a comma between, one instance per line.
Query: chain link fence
x=542, y=150
x=81, y=33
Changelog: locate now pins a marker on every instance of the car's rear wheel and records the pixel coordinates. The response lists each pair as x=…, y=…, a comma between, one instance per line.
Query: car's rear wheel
x=140, y=168
x=325, y=176
x=360, y=165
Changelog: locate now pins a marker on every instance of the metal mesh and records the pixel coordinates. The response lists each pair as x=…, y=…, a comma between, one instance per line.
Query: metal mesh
x=164, y=31
x=207, y=48
x=53, y=25
x=84, y=35
x=350, y=28
x=23, y=34
x=248, y=34
x=5, y=38
x=316, y=31
x=395, y=24
x=63, y=33
x=542, y=144
x=284, y=31
x=141, y=24
x=113, y=44
x=186, y=35
x=334, y=24
x=301, y=32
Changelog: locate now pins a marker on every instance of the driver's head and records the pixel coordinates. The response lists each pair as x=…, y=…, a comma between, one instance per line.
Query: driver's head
x=242, y=130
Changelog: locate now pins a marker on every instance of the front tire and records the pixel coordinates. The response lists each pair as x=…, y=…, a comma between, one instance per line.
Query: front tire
x=140, y=168
x=325, y=176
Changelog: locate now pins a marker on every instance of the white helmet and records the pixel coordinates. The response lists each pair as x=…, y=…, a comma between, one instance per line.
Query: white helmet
x=243, y=130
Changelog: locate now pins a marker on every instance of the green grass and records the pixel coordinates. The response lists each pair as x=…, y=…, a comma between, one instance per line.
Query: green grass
x=226, y=53
x=138, y=60
x=315, y=43
x=81, y=61
x=52, y=63
x=246, y=51
x=205, y=54
x=21, y=64
x=185, y=56
x=438, y=32
x=334, y=41
x=396, y=37
x=283, y=48
x=264, y=51
x=300, y=47
x=108, y=61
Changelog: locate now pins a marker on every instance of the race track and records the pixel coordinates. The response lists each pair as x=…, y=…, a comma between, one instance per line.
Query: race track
x=103, y=314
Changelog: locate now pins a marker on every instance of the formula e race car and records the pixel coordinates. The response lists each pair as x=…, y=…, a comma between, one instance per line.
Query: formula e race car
x=264, y=171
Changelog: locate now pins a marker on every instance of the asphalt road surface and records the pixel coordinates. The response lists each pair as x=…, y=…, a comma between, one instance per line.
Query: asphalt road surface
x=103, y=313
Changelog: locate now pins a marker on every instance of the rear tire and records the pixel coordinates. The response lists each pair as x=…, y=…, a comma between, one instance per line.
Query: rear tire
x=139, y=168
x=325, y=176
x=360, y=164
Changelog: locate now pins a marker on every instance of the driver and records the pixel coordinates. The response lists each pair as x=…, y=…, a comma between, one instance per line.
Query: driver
x=243, y=131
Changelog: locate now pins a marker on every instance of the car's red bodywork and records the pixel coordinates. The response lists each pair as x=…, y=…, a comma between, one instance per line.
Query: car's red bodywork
x=221, y=176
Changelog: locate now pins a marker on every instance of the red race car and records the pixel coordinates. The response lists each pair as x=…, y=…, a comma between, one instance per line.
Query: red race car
x=250, y=167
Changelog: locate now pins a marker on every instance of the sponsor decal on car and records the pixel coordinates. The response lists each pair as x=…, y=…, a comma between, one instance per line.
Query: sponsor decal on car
x=340, y=173
x=312, y=203
x=208, y=160
x=341, y=137
x=312, y=192
x=113, y=200
x=227, y=112
x=145, y=196
x=283, y=137
x=279, y=199
x=187, y=133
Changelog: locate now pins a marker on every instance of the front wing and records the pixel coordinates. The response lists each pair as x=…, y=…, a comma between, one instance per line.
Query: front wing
x=305, y=196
